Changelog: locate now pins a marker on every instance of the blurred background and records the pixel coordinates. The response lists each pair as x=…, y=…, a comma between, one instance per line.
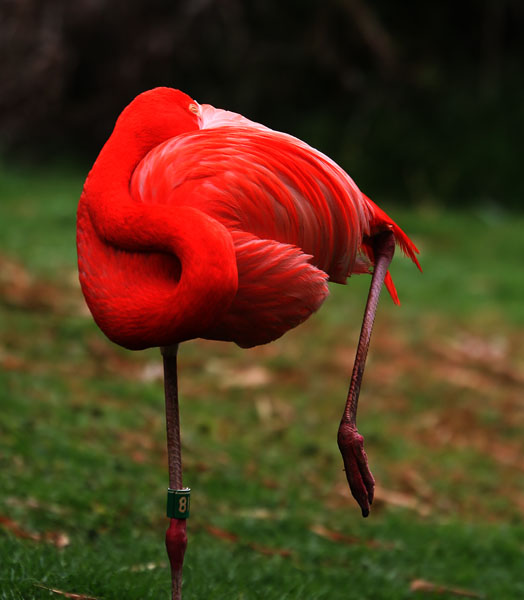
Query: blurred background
x=428, y=95
x=423, y=104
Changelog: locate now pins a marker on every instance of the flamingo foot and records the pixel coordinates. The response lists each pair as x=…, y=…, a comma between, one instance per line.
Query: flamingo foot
x=361, y=481
x=176, y=543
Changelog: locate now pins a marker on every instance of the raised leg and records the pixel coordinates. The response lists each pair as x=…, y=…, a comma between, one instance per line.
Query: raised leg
x=350, y=442
x=176, y=538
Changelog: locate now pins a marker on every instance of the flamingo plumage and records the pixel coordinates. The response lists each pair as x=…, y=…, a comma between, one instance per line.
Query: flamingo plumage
x=197, y=222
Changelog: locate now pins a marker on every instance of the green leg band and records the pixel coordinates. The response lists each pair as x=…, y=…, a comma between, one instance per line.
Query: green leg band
x=178, y=503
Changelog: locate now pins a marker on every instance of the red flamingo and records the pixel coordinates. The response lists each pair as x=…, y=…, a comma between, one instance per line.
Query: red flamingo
x=197, y=222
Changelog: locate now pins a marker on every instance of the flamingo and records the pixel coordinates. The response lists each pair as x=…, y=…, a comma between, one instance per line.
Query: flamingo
x=195, y=222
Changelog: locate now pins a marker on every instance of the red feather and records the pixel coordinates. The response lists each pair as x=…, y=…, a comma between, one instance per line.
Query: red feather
x=196, y=222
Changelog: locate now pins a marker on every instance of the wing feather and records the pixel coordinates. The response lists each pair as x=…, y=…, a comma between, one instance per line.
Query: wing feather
x=278, y=288
x=263, y=182
x=272, y=185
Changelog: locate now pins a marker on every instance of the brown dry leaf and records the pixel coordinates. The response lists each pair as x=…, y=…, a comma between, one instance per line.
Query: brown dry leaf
x=491, y=350
x=415, y=482
x=270, y=484
x=342, y=538
x=150, y=566
x=233, y=537
x=463, y=376
x=401, y=499
x=518, y=499
x=152, y=371
x=490, y=357
x=16, y=530
x=238, y=377
x=66, y=594
x=109, y=359
x=198, y=465
x=455, y=429
x=57, y=538
x=264, y=408
x=251, y=377
x=509, y=454
x=18, y=287
x=221, y=533
x=421, y=585
x=270, y=551
x=257, y=512
x=34, y=503
x=138, y=457
x=382, y=496
x=135, y=441
x=10, y=362
x=271, y=409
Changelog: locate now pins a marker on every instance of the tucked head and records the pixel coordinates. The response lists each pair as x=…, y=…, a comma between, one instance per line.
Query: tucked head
x=159, y=114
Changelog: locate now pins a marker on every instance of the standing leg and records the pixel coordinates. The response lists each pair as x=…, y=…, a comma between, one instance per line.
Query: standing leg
x=176, y=538
x=350, y=442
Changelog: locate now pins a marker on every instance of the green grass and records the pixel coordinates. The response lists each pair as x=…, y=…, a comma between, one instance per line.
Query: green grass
x=82, y=451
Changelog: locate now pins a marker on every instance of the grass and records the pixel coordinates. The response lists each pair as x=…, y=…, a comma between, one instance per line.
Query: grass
x=82, y=429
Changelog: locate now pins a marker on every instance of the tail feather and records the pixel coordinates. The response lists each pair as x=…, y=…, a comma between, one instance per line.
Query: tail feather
x=405, y=244
x=380, y=222
x=388, y=282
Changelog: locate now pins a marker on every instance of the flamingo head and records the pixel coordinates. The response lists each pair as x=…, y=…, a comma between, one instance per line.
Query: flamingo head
x=157, y=115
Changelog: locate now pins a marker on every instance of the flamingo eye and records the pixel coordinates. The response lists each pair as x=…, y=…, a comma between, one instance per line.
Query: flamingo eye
x=193, y=108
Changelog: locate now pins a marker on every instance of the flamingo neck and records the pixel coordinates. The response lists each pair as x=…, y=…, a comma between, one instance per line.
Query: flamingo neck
x=152, y=274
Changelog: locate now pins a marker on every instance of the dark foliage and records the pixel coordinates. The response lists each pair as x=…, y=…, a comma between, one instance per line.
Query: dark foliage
x=418, y=100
